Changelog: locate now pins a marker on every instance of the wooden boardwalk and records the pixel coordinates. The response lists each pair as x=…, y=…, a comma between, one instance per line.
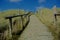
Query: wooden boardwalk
x=36, y=31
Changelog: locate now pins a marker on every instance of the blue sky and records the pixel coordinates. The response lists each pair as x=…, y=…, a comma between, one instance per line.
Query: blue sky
x=30, y=5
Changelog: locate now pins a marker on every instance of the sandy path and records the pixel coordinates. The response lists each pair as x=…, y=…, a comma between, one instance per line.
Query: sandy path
x=36, y=31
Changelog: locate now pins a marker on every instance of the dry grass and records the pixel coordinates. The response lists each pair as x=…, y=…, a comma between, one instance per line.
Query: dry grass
x=5, y=23
x=46, y=16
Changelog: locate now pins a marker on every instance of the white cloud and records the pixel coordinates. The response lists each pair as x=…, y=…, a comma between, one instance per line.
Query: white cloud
x=15, y=0
x=41, y=1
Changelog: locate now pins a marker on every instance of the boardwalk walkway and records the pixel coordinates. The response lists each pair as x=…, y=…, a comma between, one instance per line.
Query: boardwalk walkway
x=36, y=31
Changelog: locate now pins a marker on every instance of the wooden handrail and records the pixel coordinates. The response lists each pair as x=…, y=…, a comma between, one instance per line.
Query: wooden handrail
x=58, y=28
x=10, y=20
x=56, y=16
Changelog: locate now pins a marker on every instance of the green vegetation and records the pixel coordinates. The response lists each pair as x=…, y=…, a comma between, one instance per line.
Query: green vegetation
x=6, y=13
x=46, y=16
x=4, y=23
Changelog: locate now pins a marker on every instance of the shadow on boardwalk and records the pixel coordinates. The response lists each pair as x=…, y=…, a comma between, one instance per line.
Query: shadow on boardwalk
x=36, y=31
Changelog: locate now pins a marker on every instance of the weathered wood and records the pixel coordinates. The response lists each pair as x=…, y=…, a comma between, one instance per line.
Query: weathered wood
x=10, y=28
x=58, y=28
x=22, y=23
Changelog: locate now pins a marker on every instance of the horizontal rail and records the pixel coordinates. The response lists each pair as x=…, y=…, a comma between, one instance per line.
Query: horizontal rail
x=17, y=15
x=22, y=23
x=57, y=14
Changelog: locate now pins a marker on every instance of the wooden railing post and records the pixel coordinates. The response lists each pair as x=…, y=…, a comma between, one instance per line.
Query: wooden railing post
x=57, y=27
x=10, y=28
x=23, y=24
